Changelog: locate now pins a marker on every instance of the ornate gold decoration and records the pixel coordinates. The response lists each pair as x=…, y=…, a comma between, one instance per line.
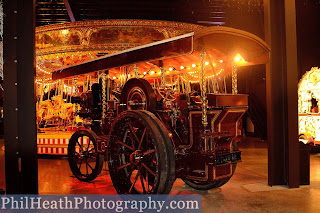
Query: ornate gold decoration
x=104, y=96
x=234, y=80
x=203, y=86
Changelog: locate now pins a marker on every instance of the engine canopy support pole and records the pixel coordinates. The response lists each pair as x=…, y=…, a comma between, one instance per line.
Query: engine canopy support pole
x=234, y=80
x=76, y=91
x=104, y=96
x=203, y=86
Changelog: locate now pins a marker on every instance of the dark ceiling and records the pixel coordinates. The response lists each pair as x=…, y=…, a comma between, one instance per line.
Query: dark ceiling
x=242, y=14
x=207, y=12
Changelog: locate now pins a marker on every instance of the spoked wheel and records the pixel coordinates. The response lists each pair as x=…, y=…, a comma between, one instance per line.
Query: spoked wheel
x=141, y=155
x=137, y=94
x=84, y=160
x=201, y=185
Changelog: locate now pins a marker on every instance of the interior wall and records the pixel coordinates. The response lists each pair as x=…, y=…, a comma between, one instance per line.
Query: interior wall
x=308, y=31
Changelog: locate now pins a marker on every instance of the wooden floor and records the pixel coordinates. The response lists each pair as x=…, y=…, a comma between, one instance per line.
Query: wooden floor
x=247, y=191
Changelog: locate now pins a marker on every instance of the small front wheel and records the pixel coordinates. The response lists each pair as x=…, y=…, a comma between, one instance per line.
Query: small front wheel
x=84, y=160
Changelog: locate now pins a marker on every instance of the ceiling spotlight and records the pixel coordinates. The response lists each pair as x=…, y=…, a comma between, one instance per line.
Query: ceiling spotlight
x=238, y=58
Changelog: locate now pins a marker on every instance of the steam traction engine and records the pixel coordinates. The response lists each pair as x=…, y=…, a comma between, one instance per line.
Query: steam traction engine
x=154, y=128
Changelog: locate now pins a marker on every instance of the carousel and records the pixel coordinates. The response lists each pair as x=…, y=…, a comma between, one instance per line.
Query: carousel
x=62, y=45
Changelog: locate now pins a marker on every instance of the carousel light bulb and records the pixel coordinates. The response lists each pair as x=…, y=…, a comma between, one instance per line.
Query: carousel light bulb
x=144, y=73
x=129, y=76
x=170, y=69
x=206, y=63
x=193, y=65
x=182, y=67
x=152, y=72
x=237, y=58
x=220, y=61
x=64, y=32
x=114, y=77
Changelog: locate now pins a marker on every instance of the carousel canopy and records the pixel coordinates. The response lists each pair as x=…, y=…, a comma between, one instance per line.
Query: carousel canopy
x=224, y=47
x=62, y=45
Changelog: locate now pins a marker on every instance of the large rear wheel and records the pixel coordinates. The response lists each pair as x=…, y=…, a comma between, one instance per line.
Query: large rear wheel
x=141, y=155
x=84, y=160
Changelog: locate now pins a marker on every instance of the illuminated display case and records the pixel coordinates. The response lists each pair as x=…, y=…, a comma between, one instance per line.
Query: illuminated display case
x=308, y=106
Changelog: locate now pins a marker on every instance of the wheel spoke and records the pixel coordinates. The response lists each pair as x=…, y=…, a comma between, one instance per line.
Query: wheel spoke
x=124, y=166
x=87, y=168
x=134, y=181
x=90, y=149
x=147, y=180
x=133, y=132
x=147, y=168
x=90, y=166
x=142, y=183
x=125, y=145
x=132, y=141
x=149, y=152
x=80, y=146
x=88, y=145
x=143, y=134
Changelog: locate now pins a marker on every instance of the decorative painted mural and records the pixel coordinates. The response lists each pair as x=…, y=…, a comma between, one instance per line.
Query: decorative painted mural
x=59, y=38
x=113, y=35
